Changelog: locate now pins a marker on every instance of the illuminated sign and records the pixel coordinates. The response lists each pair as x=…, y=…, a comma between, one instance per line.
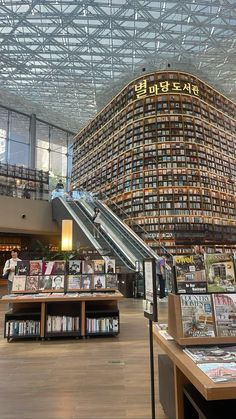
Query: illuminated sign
x=144, y=89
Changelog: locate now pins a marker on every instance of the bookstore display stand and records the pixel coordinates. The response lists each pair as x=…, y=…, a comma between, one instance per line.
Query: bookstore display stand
x=175, y=327
x=62, y=316
x=196, y=395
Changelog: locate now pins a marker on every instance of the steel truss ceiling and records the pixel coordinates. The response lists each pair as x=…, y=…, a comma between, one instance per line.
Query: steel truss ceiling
x=70, y=56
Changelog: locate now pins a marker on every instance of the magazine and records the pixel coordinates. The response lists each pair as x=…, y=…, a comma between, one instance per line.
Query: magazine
x=74, y=282
x=220, y=272
x=99, y=281
x=110, y=266
x=35, y=267
x=225, y=314
x=220, y=372
x=57, y=282
x=87, y=282
x=204, y=354
x=99, y=266
x=190, y=273
x=22, y=267
x=54, y=267
x=32, y=283
x=45, y=283
x=111, y=281
x=18, y=283
x=197, y=316
x=74, y=267
x=88, y=267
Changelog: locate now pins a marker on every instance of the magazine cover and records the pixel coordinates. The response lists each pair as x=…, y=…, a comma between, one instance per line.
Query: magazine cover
x=99, y=266
x=110, y=266
x=18, y=283
x=88, y=267
x=225, y=314
x=204, y=354
x=74, y=267
x=87, y=282
x=220, y=272
x=54, y=267
x=36, y=267
x=45, y=283
x=111, y=281
x=73, y=282
x=22, y=267
x=197, y=316
x=220, y=373
x=99, y=281
x=190, y=273
x=58, y=282
x=32, y=283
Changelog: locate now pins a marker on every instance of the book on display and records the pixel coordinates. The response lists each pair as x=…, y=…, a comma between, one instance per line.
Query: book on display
x=220, y=372
x=197, y=315
x=225, y=314
x=220, y=272
x=190, y=274
x=204, y=354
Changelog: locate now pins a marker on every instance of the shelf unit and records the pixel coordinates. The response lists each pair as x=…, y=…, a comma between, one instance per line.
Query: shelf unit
x=165, y=150
x=24, y=323
x=72, y=312
x=102, y=319
x=13, y=180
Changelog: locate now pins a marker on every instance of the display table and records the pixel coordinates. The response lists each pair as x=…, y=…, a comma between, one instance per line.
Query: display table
x=30, y=313
x=186, y=372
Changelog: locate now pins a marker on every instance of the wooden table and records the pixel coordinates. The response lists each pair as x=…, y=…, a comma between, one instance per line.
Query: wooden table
x=109, y=300
x=187, y=372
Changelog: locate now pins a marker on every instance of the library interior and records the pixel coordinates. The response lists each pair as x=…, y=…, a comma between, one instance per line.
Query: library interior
x=117, y=209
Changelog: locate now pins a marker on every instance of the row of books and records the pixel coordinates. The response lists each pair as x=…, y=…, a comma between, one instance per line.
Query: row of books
x=60, y=283
x=205, y=273
x=60, y=295
x=102, y=325
x=61, y=267
x=23, y=327
x=62, y=324
x=208, y=315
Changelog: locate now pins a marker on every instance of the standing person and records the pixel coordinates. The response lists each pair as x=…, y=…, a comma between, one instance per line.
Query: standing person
x=10, y=266
x=160, y=272
x=59, y=185
x=97, y=222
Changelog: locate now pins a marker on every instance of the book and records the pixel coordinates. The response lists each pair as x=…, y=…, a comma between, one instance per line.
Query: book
x=88, y=267
x=18, y=283
x=163, y=330
x=111, y=281
x=74, y=282
x=22, y=267
x=32, y=283
x=190, y=274
x=99, y=266
x=74, y=267
x=54, y=267
x=45, y=283
x=220, y=273
x=204, y=354
x=87, y=282
x=110, y=266
x=225, y=314
x=197, y=315
x=35, y=267
x=220, y=372
x=57, y=282
x=99, y=281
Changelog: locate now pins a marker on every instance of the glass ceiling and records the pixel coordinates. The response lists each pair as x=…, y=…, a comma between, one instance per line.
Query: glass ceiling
x=64, y=59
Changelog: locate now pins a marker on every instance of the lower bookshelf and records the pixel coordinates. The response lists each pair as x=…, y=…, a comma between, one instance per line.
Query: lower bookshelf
x=62, y=316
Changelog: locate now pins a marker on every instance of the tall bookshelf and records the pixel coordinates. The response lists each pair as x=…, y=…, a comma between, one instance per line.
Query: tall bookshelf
x=164, y=150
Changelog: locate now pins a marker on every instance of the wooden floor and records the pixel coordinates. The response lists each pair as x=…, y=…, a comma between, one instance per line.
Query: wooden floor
x=80, y=379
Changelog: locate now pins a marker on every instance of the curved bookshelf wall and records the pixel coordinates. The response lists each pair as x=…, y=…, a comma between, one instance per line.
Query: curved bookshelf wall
x=164, y=150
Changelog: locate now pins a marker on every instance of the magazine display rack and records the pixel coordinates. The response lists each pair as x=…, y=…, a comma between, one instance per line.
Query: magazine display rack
x=175, y=327
x=62, y=315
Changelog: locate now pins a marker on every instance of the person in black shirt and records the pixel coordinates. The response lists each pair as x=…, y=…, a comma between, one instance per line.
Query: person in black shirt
x=59, y=185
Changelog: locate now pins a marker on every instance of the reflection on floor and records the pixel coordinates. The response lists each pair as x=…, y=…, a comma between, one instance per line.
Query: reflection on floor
x=80, y=379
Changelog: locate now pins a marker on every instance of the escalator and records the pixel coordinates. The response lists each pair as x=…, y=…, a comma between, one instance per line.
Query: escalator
x=115, y=238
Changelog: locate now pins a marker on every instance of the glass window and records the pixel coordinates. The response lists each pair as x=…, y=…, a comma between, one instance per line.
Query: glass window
x=42, y=135
x=58, y=164
x=19, y=127
x=3, y=134
x=18, y=153
x=42, y=159
x=58, y=140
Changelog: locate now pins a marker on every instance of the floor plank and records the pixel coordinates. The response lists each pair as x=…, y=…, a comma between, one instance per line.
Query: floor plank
x=80, y=379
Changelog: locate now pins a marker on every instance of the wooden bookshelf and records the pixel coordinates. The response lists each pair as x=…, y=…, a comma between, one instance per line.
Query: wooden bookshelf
x=175, y=328
x=67, y=307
